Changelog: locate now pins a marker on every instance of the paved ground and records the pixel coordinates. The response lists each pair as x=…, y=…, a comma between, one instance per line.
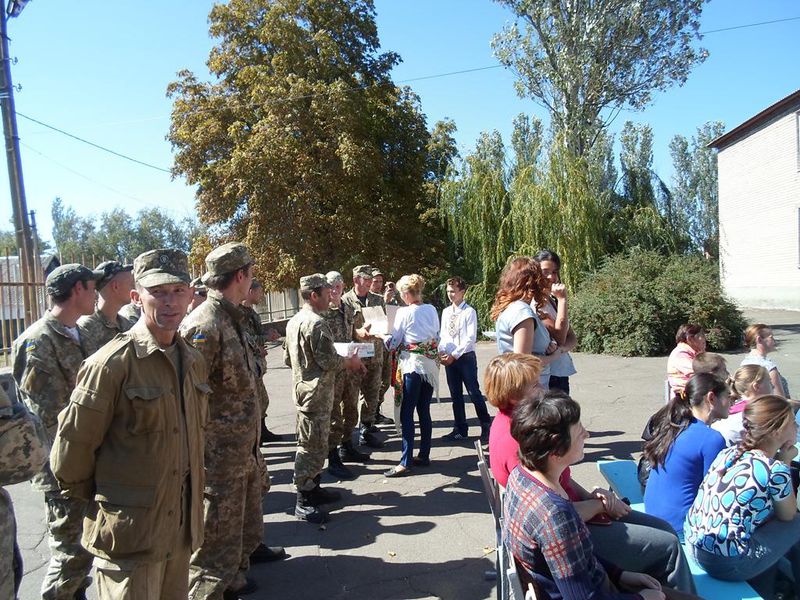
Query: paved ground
x=429, y=535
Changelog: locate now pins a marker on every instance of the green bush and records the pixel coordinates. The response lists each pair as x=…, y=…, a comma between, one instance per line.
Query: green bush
x=635, y=302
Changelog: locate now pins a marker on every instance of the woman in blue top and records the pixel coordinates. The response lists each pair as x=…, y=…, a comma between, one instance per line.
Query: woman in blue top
x=683, y=446
x=518, y=327
x=730, y=529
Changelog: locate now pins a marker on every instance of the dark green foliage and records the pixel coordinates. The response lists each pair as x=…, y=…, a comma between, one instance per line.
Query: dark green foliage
x=635, y=302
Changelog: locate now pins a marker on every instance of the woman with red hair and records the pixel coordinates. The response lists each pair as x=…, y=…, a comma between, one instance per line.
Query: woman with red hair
x=518, y=327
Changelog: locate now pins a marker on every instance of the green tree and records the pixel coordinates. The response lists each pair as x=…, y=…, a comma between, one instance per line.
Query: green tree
x=116, y=234
x=584, y=61
x=695, y=192
x=302, y=146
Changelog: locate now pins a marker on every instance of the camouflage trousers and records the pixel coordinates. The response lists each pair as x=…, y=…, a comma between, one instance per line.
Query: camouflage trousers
x=344, y=413
x=370, y=387
x=263, y=397
x=386, y=378
x=313, y=431
x=234, y=527
x=10, y=568
x=70, y=564
x=134, y=580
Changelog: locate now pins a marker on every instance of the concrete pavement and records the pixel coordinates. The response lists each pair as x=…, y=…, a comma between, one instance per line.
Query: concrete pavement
x=429, y=535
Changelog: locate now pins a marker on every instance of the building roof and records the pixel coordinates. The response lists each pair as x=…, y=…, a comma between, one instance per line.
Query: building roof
x=787, y=104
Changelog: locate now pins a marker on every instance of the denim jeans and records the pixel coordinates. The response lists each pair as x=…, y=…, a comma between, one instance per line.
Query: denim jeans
x=768, y=544
x=417, y=394
x=464, y=373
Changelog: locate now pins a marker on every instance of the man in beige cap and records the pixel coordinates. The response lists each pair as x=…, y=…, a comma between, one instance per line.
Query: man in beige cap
x=236, y=476
x=200, y=294
x=310, y=353
x=370, y=385
x=46, y=360
x=114, y=285
x=130, y=442
x=377, y=287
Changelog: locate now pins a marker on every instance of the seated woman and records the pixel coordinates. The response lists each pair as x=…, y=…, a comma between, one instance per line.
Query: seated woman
x=748, y=383
x=636, y=541
x=690, y=341
x=761, y=341
x=744, y=518
x=542, y=528
x=710, y=362
x=683, y=446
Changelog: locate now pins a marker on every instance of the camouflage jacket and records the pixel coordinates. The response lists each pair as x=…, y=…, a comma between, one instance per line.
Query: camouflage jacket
x=341, y=321
x=352, y=300
x=45, y=366
x=24, y=445
x=256, y=337
x=131, y=312
x=218, y=329
x=130, y=437
x=97, y=330
x=309, y=351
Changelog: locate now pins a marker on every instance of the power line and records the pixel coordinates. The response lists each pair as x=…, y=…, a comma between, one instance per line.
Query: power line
x=750, y=25
x=98, y=146
x=86, y=177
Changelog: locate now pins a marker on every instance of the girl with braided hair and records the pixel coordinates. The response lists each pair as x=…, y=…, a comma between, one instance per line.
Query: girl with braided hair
x=683, y=446
x=744, y=518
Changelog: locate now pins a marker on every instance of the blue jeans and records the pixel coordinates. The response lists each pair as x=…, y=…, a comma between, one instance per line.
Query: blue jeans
x=464, y=373
x=417, y=394
x=768, y=544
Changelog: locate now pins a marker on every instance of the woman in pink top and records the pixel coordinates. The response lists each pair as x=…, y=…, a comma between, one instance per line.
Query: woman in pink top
x=691, y=341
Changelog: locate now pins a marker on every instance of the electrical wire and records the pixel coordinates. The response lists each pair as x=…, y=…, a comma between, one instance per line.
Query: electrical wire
x=750, y=25
x=98, y=146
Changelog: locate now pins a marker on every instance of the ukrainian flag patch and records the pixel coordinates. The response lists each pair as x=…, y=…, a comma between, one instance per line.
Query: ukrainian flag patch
x=199, y=338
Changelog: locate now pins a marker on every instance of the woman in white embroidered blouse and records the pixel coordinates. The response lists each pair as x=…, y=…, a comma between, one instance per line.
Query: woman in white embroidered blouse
x=416, y=334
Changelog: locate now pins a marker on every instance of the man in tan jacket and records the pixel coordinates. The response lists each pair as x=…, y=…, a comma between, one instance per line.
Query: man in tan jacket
x=131, y=442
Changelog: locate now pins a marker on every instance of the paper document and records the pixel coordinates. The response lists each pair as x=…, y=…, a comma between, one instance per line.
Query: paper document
x=380, y=321
x=347, y=349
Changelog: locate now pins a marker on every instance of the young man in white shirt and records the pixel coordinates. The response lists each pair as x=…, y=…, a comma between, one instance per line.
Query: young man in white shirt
x=457, y=346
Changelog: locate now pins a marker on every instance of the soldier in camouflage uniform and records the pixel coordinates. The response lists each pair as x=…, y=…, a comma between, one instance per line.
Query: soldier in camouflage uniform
x=370, y=385
x=310, y=353
x=200, y=294
x=114, y=285
x=46, y=360
x=131, y=443
x=377, y=287
x=23, y=452
x=341, y=319
x=234, y=525
x=259, y=339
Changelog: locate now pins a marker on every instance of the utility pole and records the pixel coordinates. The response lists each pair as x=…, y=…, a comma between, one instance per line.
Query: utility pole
x=20, y=208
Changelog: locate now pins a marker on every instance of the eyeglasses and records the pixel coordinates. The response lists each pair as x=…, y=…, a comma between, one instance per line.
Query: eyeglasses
x=201, y=293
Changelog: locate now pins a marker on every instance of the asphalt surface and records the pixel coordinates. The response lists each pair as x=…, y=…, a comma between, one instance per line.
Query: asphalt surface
x=429, y=535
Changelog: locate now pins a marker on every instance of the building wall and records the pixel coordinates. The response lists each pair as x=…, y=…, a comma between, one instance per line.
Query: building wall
x=759, y=215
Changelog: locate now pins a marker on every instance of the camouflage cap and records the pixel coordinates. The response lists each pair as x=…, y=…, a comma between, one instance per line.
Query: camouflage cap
x=376, y=272
x=313, y=282
x=160, y=267
x=197, y=284
x=226, y=259
x=106, y=271
x=62, y=279
x=363, y=271
x=334, y=277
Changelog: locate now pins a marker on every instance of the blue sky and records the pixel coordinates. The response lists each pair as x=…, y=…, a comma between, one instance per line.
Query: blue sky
x=99, y=69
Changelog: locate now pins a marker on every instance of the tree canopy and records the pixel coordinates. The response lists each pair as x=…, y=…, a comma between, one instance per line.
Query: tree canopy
x=302, y=146
x=117, y=235
x=584, y=60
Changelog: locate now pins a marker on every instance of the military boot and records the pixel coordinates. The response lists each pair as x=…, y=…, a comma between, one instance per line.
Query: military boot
x=367, y=438
x=336, y=467
x=306, y=510
x=350, y=453
x=319, y=496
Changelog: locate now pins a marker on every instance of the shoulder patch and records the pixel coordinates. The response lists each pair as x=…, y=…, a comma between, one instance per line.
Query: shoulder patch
x=198, y=338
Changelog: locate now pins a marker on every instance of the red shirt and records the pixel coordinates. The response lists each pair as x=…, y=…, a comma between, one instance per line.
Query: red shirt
x=503, y=456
